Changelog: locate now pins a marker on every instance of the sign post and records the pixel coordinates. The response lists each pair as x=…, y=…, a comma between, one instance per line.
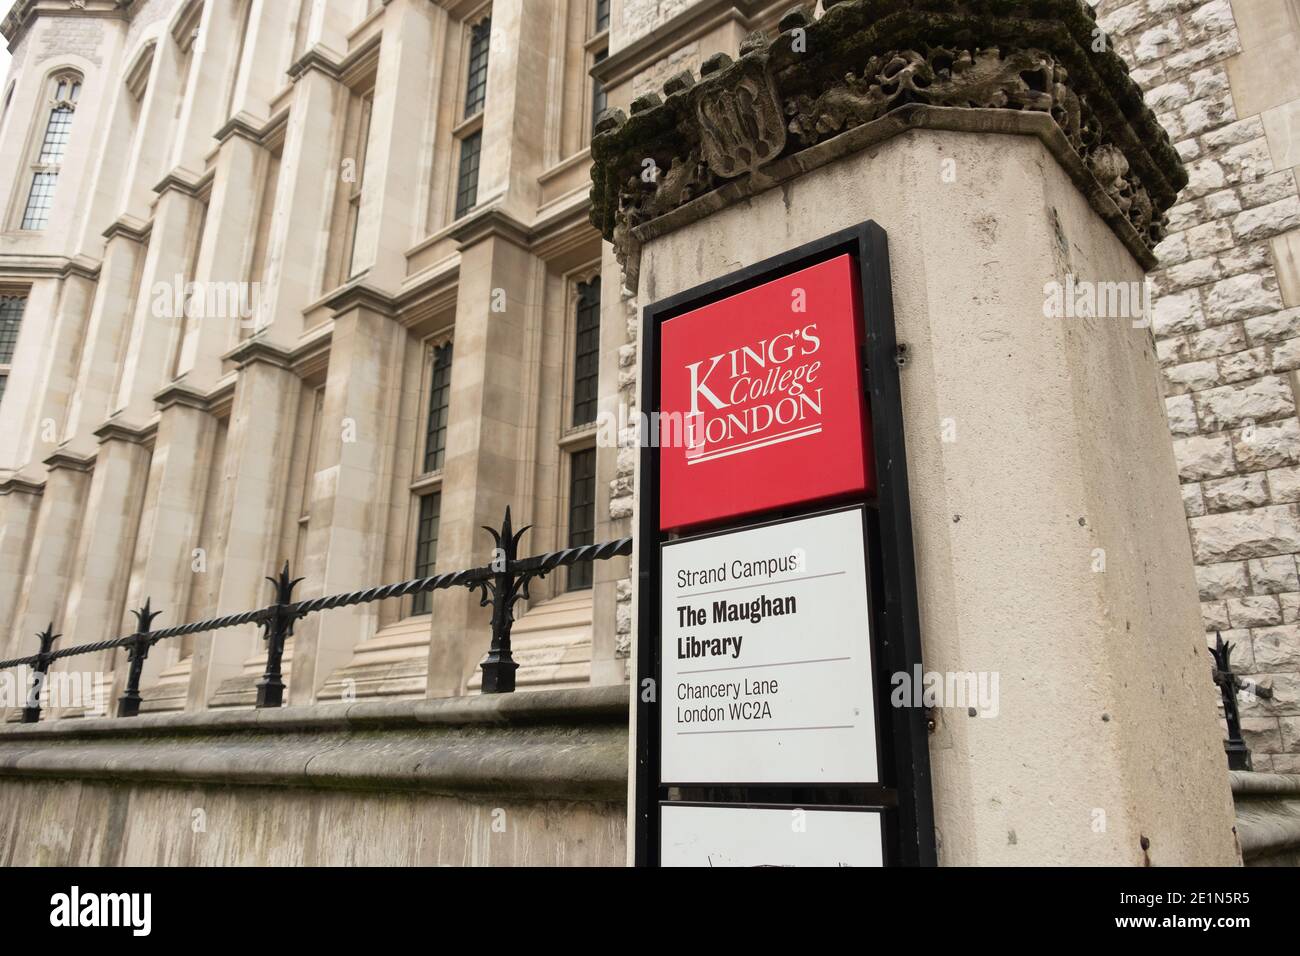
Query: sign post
x=777, y=592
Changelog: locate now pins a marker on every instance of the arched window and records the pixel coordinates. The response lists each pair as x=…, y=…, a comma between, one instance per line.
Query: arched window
x=65, y=90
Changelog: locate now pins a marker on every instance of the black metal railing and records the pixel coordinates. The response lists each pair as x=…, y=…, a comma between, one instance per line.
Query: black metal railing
x=1229, y=683
x=501, y=584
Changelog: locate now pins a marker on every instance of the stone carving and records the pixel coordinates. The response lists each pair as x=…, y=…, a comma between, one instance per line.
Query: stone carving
x=862, y=60
x=741, y=126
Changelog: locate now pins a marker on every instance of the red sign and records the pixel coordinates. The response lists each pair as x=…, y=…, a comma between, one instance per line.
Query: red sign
x=761, y=398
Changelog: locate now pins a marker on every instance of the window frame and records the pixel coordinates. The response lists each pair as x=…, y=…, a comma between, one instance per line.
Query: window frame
x=426, y=483
x=43, y=171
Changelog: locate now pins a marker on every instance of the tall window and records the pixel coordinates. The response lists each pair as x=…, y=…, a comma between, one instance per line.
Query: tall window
x=426, y=546
x=366, y=107
x=476, y=79
x=582, y=512
x=586, y=352
x=45, y=171
x=467, y=177
x=11, y=319
x=602, y=15
x=435, y=440
x=599, y=99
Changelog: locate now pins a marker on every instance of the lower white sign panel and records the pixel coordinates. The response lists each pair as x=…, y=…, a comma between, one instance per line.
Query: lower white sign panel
x=766, y=656
x=723, y=835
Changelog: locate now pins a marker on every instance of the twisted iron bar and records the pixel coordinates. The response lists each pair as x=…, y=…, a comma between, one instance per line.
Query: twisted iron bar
x=283, y=614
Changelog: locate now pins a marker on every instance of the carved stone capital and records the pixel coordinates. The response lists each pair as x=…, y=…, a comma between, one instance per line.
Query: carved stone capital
x=741, y=126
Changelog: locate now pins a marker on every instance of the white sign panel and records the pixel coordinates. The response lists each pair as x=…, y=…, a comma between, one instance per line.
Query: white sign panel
x=766, y=656
x=722, y=835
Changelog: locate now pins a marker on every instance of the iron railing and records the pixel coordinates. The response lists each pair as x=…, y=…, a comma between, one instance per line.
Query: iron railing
x=501, y=583
x=1229, y=683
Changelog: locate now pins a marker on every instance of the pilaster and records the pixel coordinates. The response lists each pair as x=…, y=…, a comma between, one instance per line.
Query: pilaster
x=351, y=488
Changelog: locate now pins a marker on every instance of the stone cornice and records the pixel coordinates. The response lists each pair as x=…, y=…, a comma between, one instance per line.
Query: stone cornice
x=258, y=349
x=31, y=267
x=490, y=221
x=128, y=227
x=358, y=295
x=693, y=22
x=83, y=267
x=133, y=434
x=179, y=393
x=24, y=13
x=343, y=69
x=71, y=461
x=18, y=485
x=185, y=182
x=866, y=60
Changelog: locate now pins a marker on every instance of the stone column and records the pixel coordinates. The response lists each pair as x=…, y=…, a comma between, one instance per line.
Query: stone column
x=515, y=114
x=46, y=575
x=487, y=435
x=101, y=567
x=257, y=475
x=351, y=488
x=97, y=371
x=300, y=228
x=1049, y=546
x=179, y=473
x=53, y=390
x=20, y=506
x=397, y=158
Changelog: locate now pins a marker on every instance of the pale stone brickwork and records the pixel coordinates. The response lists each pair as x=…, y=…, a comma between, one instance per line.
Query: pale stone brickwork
x=1222, y=77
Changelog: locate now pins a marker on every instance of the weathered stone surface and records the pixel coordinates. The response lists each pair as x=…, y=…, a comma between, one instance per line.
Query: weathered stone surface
x=1274, y=575
x=1268, y=446
x=1236, y=493
x=1218, y=581
x=396, y=782
x=1277, y=648
x=1237, y=535
x=1203, y=456
x=1256, y=401
x=1255, y=611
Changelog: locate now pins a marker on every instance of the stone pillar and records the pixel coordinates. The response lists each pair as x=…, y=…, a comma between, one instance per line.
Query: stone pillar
x=352, y=485
x=486, y=439
x=53, y=390
x=97, y=371
x=53, y=546
x=300, y=228
x=151, y=349
x=257, y=474
x=397, y=158
x=96, y=596
x=179, y=473
x=20, y=506
x=1048, y=533
x=515, y=113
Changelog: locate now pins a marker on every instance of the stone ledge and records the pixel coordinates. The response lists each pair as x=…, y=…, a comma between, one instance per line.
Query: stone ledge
x=1268, y=817
x=565, y=745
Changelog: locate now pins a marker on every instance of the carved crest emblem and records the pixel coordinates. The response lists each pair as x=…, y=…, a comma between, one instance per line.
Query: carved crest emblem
x=741, y=124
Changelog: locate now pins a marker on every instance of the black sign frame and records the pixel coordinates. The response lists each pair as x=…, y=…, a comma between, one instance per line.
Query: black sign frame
x=904, y=796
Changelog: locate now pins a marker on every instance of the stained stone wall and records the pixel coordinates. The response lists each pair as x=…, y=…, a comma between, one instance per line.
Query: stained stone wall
x=1222, y=76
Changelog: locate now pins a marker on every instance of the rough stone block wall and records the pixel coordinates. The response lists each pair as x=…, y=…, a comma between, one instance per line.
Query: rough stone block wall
x=1227, y=325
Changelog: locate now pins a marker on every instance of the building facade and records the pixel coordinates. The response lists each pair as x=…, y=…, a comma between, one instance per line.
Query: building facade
x=313, y=280
x=308, y=281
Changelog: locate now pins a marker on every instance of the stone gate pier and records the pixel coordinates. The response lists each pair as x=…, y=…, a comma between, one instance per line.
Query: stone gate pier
x=1010, y=159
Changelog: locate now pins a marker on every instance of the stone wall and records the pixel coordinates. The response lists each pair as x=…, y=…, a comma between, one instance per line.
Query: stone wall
x=1227, y=322
x=500, y=780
